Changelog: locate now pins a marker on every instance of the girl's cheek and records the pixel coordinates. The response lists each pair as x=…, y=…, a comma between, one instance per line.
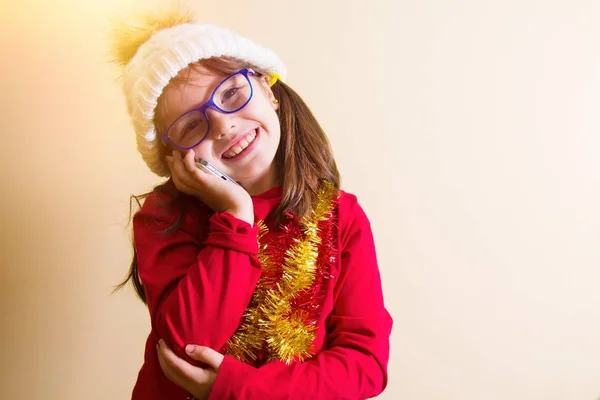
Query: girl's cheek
x=203, y=150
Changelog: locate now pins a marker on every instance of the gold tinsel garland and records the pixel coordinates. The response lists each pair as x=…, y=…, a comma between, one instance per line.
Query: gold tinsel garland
x=271, y=324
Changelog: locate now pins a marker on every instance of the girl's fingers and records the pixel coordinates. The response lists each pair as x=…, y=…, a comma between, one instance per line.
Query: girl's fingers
x=166, y=367
x=189, y=161
x=183, y=369
x=182, y=178
x=187, y=168
x=180, y=183
x=195, y=173
x=205, y=354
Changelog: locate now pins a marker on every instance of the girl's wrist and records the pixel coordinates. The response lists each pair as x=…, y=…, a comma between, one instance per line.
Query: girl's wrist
x=246, y=215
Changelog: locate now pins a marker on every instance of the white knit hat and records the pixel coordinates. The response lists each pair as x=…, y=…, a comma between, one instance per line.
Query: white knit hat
x=156, y=48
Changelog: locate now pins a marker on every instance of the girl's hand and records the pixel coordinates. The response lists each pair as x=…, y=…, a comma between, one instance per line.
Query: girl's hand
x=195, y=380
x=220, y=195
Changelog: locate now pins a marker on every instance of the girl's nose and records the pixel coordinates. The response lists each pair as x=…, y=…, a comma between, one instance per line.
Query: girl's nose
x=220, y=124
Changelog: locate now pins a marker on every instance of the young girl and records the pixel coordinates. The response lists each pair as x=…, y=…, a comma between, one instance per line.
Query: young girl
x=268, y=289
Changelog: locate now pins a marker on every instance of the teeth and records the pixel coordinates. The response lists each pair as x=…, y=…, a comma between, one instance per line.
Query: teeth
x=241, y=145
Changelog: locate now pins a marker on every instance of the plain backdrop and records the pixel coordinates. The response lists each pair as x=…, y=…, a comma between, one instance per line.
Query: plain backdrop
x=468, y=129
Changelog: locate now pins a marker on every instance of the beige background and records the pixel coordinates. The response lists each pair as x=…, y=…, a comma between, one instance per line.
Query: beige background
x=468, y=129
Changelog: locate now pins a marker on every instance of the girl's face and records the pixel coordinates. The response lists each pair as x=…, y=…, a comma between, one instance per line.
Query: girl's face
x=242, y=144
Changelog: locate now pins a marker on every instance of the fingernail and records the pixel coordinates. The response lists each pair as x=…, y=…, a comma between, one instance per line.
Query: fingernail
x=190, y=348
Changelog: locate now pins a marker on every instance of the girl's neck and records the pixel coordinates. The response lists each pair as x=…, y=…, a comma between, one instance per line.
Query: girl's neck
x=261, y=184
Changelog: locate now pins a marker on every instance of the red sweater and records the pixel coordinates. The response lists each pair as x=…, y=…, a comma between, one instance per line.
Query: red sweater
x=199, y=279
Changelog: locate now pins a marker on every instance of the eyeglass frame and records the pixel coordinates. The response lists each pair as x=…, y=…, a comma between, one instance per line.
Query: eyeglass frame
x=211, y=104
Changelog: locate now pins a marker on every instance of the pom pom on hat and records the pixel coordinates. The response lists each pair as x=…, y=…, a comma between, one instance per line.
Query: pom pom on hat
x=128, y=36
x=153, y=47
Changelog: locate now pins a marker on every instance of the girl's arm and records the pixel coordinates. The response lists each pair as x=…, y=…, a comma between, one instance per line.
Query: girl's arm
x=196, y=291
x=355, y=364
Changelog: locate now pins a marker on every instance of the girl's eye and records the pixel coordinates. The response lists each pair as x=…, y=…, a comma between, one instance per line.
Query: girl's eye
x=230, y=93
x=189, y=127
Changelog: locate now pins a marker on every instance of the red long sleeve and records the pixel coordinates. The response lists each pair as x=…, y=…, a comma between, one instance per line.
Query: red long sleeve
x=196, y=291
x=353, y=364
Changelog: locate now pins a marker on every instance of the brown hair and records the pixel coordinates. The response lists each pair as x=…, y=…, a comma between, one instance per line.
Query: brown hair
x=303, y=160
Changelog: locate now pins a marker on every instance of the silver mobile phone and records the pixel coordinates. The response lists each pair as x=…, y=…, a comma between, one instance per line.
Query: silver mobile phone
x=211, y=169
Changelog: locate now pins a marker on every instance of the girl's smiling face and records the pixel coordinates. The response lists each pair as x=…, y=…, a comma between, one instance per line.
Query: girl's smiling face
x=242, y=144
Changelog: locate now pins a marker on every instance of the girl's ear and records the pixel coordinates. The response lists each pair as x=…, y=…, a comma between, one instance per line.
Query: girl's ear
x=264, y=83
